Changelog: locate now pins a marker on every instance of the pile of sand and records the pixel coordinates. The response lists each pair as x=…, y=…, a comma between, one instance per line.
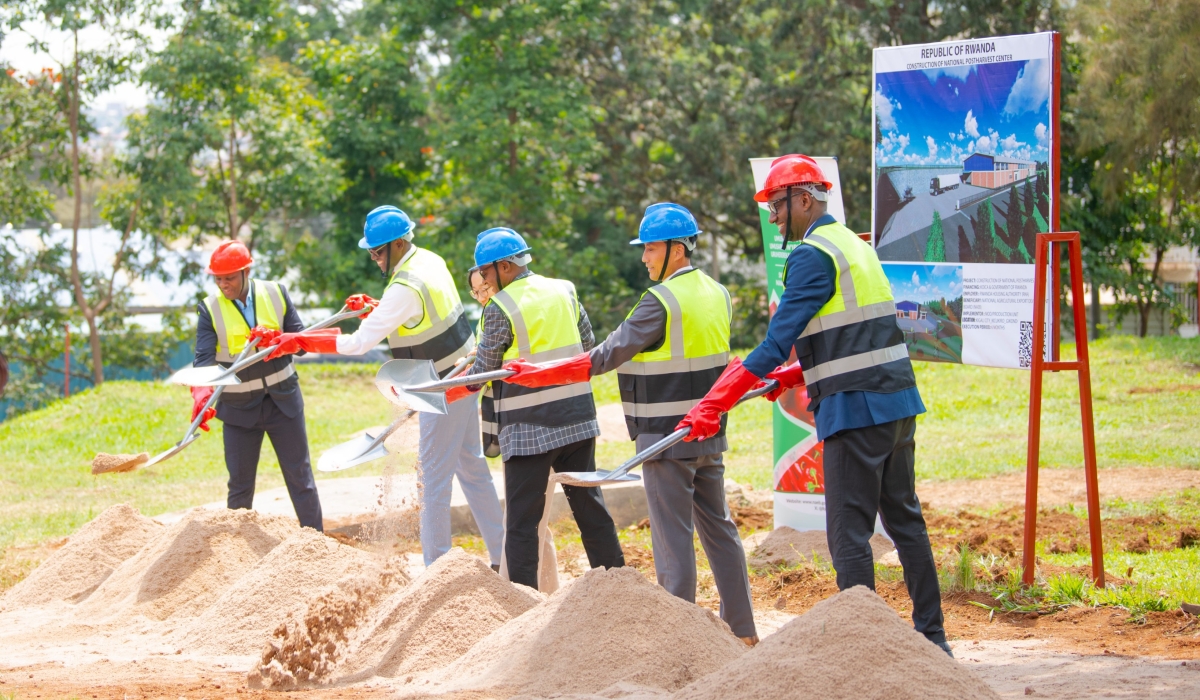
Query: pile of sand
x=849, y=646
x=308, y=648
x=104, y=463
x=456, y=602
x=86, y=560
x=788, y=547
x=188, y=566
x=607, y=627
x=281, y=583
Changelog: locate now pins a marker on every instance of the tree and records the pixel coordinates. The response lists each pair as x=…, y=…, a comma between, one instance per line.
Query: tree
x=935, y=246
x=373, y=101
x=84, y=75
x=232, y=146
x=964, y=246
x=31, y=133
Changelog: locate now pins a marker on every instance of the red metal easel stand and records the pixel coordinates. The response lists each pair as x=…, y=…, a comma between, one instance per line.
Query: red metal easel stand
x=1038, y=365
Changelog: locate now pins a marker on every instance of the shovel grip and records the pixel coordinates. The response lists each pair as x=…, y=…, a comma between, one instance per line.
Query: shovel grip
x=677, y=437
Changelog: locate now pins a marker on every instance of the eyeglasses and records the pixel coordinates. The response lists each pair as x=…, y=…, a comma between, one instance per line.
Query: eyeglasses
x=375, y=253
x=774, y=205
x=480, y=293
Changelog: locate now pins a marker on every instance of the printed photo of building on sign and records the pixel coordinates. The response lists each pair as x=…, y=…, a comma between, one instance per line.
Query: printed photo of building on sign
x=961, y=162
x=929, y=305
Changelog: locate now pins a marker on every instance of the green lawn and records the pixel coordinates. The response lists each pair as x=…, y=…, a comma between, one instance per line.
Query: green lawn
x=975, y=427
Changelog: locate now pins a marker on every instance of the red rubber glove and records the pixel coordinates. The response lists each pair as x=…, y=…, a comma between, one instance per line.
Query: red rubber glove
x=200, y=396
x=265, y=335
x=574, y=370
x=788, y=376
x=457, y=392
x=321, y=340
x=361, y=302
x=705, y=417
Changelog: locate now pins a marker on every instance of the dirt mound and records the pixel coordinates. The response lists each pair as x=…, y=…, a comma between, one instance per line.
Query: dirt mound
x=308, y=648
x=104, y=463
x=788, y=547
x=608, y=627
x=281, y=583
x=456, y=602
x=849, y=646
x=87, y=559
x=188, y=566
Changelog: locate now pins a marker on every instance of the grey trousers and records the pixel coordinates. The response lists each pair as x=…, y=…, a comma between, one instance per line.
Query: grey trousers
x=290, y=440
x=450, y=446
x=681, y=492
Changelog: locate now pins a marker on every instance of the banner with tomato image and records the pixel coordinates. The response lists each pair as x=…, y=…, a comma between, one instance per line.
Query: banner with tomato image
x=799, y=474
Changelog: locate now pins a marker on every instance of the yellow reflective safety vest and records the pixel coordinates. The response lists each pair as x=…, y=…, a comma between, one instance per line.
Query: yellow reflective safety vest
x=659, y=386
x=442, y=333
x=231, y=329
x=544, y=316
x=854, y=342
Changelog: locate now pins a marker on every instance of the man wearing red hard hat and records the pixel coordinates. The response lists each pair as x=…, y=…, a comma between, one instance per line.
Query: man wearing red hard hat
x=838, y=313
x=268, y=401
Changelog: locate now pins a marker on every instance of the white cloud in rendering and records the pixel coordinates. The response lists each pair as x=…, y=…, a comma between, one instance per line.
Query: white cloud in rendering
x=1031, y=90
x=1042, y=134
x=932, y=145
x=883, y=110
x=971, y=125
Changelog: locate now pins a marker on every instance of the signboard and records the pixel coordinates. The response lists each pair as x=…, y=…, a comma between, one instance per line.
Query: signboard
x=799, y=473
x=964, y=173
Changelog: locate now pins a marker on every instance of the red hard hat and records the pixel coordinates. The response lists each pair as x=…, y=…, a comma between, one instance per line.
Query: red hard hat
x=228, y=258
x=792, y=169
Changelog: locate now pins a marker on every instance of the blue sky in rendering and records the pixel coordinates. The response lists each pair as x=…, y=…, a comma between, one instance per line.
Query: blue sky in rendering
x=941, y=116
x=924, y=283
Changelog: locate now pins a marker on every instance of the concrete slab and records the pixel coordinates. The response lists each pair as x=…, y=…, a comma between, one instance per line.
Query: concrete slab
x=352, y=502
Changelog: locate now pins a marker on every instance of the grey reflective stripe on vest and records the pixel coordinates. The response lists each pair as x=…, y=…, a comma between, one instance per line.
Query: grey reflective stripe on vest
x=675, y=313
x=858, y=314
x=261, y=384
x=521, y=331
x=557, y=393
x=845, y=279
x=276, y=300
x=853, y=363
x=666, y=409
x=218, y=321
x=449, y=360
x=426, y=297
x=690, y=364
x=440, y=325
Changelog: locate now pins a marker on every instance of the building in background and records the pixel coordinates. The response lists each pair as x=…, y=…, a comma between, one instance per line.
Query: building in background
x=983, y=170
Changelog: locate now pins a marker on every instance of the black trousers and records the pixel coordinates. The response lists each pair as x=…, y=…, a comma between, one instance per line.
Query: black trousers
x=870, y=471
x=290, y=440
x=525, y=481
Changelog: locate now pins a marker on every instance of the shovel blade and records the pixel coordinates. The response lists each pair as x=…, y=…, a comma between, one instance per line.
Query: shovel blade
x=591, y=479
x=204, y=376
x=351, y=453
x=179, y=447
x=395, y=375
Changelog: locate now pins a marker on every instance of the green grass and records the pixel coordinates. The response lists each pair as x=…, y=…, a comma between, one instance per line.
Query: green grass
x=975, y=427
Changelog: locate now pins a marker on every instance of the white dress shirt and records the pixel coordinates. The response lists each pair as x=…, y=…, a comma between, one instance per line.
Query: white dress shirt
x=398, y=306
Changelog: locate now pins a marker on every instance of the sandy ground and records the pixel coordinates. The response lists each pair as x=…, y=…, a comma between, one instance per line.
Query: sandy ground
x=1074, y=654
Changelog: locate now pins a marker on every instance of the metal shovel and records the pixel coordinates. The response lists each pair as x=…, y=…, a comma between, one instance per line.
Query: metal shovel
x=215, y=375
x=367, y=447
x=621, y=473
x=414, y=384
x=240, y=362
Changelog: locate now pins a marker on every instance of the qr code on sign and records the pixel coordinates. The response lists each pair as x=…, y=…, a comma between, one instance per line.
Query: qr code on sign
x=1025, y=346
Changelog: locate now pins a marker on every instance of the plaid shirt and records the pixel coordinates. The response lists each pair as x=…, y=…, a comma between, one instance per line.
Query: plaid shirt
x=522, y=439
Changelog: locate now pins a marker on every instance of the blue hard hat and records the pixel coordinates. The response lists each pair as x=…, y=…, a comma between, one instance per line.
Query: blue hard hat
x=384, y=225
x=666, y=221
x=497, y=244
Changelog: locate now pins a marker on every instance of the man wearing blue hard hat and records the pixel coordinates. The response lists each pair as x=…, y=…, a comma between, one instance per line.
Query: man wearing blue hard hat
x=668, y=353
x=422, y=318
x=537, y=319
